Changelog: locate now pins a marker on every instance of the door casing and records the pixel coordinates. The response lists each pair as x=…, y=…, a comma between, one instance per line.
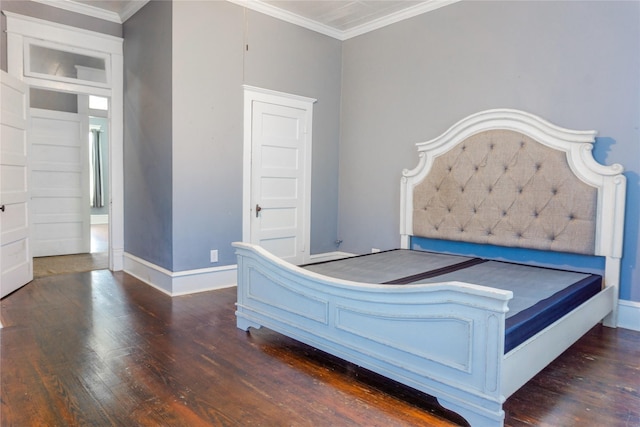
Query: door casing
x=23, y=29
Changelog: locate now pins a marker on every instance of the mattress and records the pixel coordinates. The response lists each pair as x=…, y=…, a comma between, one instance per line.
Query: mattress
x=540, y=295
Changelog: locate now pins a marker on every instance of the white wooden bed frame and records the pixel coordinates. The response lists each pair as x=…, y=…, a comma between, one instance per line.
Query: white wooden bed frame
x=445, y=339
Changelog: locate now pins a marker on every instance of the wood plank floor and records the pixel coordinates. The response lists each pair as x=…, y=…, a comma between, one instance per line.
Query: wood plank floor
x=103, y=349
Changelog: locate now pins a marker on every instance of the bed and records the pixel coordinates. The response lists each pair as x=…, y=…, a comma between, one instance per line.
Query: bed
x=467, y=330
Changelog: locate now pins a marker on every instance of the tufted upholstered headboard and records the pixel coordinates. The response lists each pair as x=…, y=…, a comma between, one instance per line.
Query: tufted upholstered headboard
x=509, y=178
x=501, y=187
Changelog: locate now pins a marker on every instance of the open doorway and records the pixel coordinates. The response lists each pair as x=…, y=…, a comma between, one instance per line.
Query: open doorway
x=98, y=110
x=57, y=57
x=69, y=182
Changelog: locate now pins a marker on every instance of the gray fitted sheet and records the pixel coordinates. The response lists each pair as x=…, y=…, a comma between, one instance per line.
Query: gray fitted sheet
x=529, y=285
x=385, y=266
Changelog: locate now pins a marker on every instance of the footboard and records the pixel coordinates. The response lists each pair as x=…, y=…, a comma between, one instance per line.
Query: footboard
x=445, y=339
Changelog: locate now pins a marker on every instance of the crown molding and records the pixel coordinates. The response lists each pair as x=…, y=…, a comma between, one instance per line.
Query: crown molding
x=131, y=8
x=392, y=18
x=96, y=12
x=289, y=17
x=275, y=12
x=259, y=6
x=33, y=27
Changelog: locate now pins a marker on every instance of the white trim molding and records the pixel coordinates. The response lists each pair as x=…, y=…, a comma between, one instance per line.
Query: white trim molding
x=194, y=281
x=292, y=18
x=84, y=9
x=401, y=15
x=131, y=8
x=329, y=256
x=629, y=315
x=181, y=282
x=127, y=11
x=99, y=219
x=21, y=29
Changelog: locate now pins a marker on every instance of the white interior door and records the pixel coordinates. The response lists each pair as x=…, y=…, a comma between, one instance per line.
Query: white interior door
x=15, y=251
x=280, y=177
x=59, y=183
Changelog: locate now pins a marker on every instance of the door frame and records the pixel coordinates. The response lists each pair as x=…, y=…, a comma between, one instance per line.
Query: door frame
x=251, y=94
x=23, y=29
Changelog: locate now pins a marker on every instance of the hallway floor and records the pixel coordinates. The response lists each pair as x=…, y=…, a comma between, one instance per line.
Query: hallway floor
x=98, y=259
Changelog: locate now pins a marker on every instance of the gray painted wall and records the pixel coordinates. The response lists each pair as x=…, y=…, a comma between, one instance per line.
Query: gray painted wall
x=148, y=135
x=210, y=64
x=576, y=64
x=207, y=143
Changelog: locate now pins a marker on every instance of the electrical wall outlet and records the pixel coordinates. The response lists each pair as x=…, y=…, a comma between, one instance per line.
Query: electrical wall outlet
x=214, y=255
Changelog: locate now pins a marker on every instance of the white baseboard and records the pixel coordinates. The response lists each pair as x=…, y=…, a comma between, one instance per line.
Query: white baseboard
x=329, y=256
x=99, y=219
x=182, y=282
x=629, y=315
x=192, y=281
x=116, y=260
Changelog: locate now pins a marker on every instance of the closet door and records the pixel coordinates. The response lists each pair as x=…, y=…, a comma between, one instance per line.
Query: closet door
x=278, y=130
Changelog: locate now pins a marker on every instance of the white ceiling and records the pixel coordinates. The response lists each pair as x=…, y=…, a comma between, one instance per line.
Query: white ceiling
x=340, y=19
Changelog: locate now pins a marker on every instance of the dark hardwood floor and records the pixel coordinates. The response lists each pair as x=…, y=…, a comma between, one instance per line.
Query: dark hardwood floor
x=103, y=349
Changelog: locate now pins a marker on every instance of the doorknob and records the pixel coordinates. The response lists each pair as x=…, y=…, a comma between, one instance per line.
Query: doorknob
x=2, y=208
x=258, y=209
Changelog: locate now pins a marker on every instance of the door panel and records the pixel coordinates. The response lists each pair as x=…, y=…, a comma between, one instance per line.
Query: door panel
x=279, y=150
x=15, y=251
x=60, y=183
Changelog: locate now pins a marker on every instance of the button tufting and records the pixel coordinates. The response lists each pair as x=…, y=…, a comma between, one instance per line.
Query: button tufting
x=513, y=188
